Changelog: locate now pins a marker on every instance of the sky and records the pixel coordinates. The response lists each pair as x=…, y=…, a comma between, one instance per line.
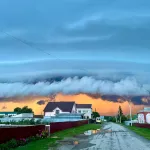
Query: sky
x=74, y=46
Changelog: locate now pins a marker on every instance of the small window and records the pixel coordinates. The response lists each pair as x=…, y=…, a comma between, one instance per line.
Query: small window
x=79, y=111
x=57, y=112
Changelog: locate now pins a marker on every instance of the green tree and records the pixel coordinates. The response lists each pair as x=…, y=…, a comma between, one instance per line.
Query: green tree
x=120, y=113
x=96, y=114
x=17, y=110
x=25, y=109
x=124, y=118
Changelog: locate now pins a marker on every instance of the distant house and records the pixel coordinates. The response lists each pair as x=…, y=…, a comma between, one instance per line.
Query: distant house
x=8, y=114
x=144, y=116
x=85, y=109
x=54, y=108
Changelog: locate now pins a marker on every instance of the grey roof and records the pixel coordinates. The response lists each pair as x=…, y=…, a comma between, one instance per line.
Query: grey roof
x=83, y=105
x=64, y=106
x=146, y=109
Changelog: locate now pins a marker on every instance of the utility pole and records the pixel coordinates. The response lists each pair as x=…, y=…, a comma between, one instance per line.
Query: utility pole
x=130, y=108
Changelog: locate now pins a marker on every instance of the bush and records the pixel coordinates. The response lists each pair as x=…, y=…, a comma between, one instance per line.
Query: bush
x=44, y=134
x=23, y=141
x=4, y=147
x=9, y=145
x=12, y=143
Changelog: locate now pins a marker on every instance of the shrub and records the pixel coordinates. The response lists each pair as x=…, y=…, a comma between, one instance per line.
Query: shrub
x=44, y=134
x=4, y=147
x=12, y=143
x=21, y=142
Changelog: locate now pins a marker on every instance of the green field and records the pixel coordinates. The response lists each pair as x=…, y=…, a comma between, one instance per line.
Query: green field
x=44, y=144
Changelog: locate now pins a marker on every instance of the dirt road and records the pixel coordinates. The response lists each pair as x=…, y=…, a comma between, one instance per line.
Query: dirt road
x=111, y=137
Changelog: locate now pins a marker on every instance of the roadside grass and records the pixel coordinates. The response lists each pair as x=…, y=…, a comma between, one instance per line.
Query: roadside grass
x=44, y=144
x=75, y=131
x=145, y=132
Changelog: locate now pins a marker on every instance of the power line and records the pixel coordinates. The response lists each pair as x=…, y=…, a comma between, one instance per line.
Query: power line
x=30, y=44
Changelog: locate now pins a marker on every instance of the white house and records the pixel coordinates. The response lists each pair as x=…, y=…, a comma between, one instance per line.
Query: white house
x=85, y=109
x=144, y=116
x=54, y=108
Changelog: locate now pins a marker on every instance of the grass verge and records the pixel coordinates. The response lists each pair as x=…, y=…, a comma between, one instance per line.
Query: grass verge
x=44, y=144
x=145, y=132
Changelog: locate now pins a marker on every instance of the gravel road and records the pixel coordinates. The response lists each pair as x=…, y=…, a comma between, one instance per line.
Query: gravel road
x=111, y=137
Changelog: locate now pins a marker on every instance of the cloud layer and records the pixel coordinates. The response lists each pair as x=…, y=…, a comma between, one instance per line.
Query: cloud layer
x=128, y=86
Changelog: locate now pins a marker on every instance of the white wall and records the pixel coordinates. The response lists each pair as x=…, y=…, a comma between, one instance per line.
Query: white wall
x=74, y=110
x=86, y=111
x=148, y=118
x=141, y=118
x=53, y=113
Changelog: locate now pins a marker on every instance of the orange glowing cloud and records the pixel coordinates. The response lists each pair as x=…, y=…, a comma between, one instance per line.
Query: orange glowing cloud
x=104, y=107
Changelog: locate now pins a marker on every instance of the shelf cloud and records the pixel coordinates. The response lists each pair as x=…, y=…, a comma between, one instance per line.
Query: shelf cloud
x=127, y=86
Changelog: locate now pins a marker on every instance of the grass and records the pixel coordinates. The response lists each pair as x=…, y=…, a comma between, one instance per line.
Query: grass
x=145, y=132
x=75, y=131
x=44, y=144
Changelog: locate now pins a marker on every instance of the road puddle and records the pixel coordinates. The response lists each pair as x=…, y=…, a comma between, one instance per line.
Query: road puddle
x=69, y=142
x=75, y=142
x=90, y=132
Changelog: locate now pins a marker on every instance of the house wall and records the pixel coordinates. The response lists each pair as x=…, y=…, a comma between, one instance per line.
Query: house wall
x=86, y=111
x=144, y=117
x=74, y=110
x=53, y=113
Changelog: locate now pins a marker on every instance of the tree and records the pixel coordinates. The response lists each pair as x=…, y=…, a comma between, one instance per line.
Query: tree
x=95, y=114
x=120, y=113
x=17, y=110
x=25, y=109
x=124, y=118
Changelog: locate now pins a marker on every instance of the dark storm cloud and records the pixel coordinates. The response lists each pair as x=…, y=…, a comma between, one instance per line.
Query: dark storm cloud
x=137, y=100
x=41, y=102
x=78, y=46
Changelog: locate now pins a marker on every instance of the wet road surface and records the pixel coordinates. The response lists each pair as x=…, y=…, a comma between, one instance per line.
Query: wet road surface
x=111, y=137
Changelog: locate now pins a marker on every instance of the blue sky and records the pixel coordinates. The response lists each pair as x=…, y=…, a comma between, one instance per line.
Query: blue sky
x=108, y=38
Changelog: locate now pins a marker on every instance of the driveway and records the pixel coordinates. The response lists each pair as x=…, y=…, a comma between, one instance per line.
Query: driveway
x=111, y=137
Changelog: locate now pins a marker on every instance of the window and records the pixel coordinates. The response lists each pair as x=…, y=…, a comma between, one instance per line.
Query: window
x=85, y=111
x=57, y=112
x=79, y=111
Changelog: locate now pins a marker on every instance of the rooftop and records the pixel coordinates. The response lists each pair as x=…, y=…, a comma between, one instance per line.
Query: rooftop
x=84, y=105
x=64, y=106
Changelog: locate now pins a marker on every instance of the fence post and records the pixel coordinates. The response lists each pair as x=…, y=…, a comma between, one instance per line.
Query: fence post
x=47, y=127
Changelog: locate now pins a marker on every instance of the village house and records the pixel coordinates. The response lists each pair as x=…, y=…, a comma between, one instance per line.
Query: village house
x=144, y=116
x=85, y=109
x=55, y=108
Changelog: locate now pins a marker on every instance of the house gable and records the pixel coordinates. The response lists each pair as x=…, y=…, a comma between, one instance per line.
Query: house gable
x=63, y=106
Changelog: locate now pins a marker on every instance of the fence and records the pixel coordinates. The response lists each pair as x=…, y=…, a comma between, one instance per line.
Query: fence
x=17, y=132
x=141, y=125
x=8, y=133
x=58, y=126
